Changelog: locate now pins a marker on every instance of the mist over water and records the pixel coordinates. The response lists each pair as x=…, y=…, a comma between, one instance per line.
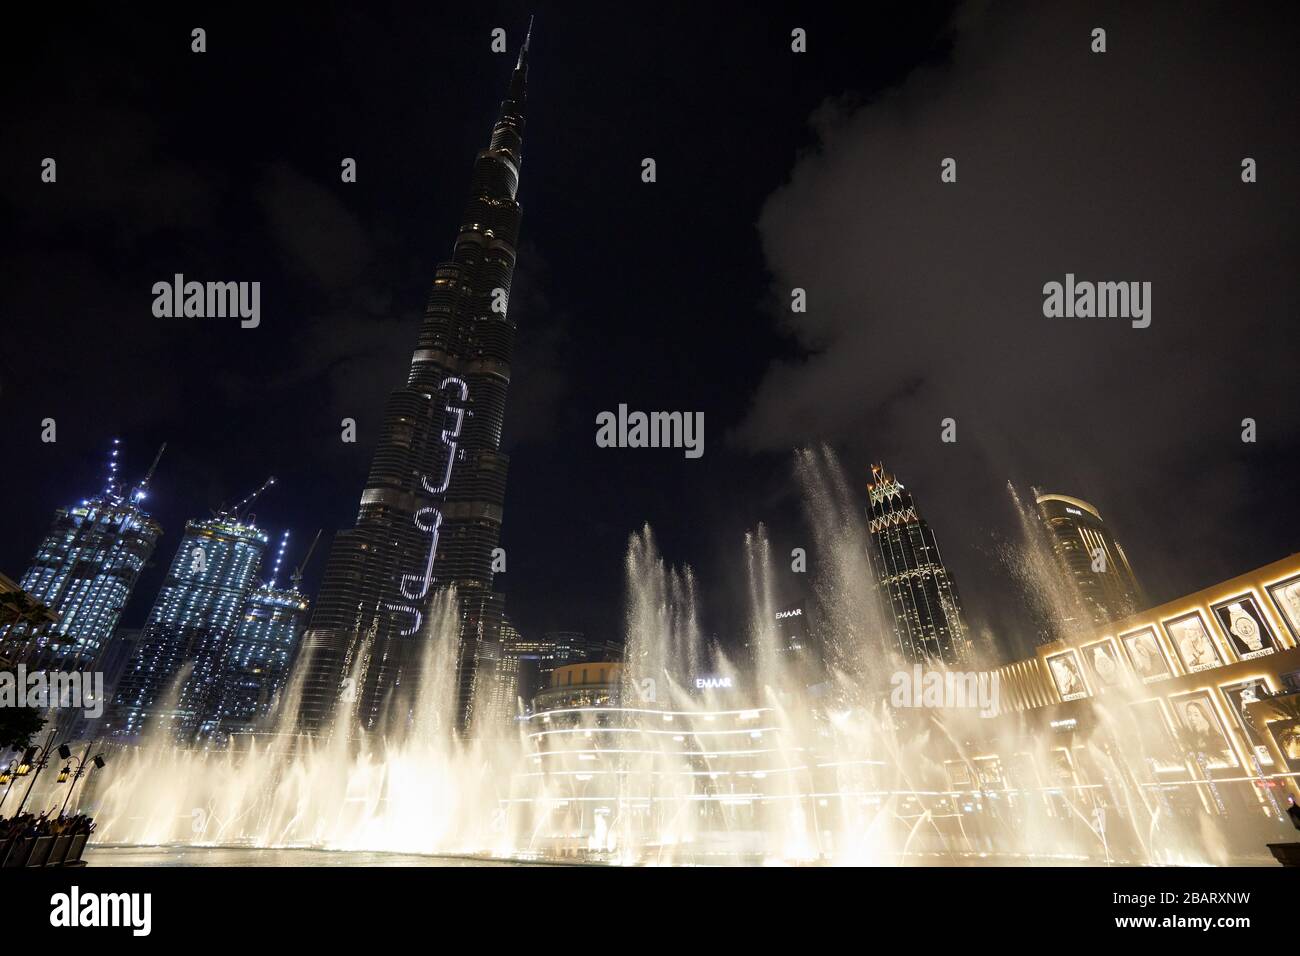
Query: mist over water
x=413, y=786
x=852, y=619
x=1052, y=597
x=662, y=635
x=801, y=759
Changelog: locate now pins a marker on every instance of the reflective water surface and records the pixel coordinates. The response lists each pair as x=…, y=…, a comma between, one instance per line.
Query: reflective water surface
x=254, y=856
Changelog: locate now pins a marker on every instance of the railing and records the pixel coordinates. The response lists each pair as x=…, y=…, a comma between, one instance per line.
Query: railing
x=62, y=850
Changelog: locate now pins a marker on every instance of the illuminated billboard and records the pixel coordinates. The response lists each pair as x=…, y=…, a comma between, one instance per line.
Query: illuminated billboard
x=1240, y=696
x=1155, y=736
x=1286, y=733
x=1248, y=633
x=1103, y=662
x=1067, y=675
x=1192, y=640
x=1286, y=598
x=1201, y=731
x=1146, y=655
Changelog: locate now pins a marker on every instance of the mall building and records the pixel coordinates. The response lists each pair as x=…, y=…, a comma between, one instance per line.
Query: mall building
x=1208, y=685
x=616, y=757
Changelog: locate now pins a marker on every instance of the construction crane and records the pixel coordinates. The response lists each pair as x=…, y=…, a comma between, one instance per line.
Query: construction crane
x=238, y=509
x=296, y=577
x=279, y=559
x=143, y=486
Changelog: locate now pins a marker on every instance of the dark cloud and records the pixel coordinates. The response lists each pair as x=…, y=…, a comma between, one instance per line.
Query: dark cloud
x=121, y=176
x=925, y=299
x=316, y=231
x=540, y=380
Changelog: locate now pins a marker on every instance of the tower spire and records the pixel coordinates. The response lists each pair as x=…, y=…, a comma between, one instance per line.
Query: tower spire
x=523, y=50
x=519, y=79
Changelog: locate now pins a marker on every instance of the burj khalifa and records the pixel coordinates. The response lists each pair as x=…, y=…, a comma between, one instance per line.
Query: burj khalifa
x=431, y=511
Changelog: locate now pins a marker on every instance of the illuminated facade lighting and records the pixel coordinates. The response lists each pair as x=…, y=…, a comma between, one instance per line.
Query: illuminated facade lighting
x=921, y=597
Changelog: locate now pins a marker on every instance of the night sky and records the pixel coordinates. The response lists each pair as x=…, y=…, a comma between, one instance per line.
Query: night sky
x=775, y=170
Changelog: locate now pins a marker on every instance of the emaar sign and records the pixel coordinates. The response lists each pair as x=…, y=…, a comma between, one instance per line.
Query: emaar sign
x=709, y=683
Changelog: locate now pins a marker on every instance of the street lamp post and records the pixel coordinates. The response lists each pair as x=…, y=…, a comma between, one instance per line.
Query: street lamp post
x=81, y=771
x=42, y=758
x=7, y=777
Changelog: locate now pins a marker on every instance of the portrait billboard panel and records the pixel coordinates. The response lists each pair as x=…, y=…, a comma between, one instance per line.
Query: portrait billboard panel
x=1201, y=731
x=1067, y=675
x=1286, y=733
x=1286, y=598
x=1146, y=655
x=1155, y=737
x=1193, y=642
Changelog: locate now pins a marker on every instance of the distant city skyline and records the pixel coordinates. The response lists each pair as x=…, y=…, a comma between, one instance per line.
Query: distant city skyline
x=857, y=436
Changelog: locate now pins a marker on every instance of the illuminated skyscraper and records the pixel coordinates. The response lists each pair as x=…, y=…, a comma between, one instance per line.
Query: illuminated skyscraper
x=254, y=666
x=85, y=570
x=430, y=514
x=918, y=590
x=496, y=679
x=1090, y=558
x=194, y=620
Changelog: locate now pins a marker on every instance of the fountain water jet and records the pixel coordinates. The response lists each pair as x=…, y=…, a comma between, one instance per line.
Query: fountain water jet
x=790, y=763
